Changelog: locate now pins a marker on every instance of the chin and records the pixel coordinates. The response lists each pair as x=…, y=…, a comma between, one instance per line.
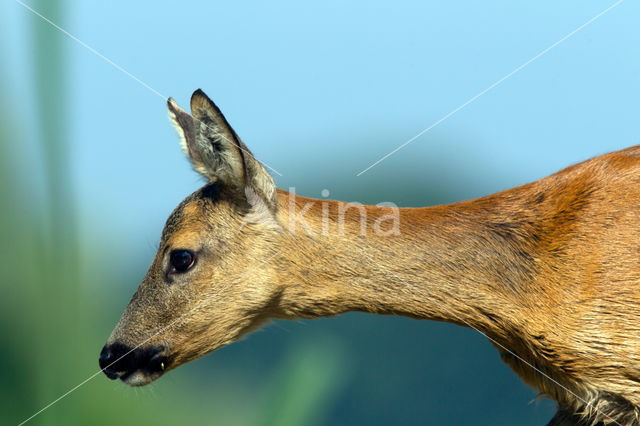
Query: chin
x=138, y=378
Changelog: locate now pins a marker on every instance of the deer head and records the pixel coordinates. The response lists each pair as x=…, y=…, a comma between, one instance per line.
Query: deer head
x=210, y=281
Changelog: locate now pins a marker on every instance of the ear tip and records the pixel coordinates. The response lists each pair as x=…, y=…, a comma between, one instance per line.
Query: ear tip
x=199, y=94
x=200, y=100
x=174, y=108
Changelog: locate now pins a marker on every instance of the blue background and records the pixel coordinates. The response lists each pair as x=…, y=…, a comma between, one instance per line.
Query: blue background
x=319, y=91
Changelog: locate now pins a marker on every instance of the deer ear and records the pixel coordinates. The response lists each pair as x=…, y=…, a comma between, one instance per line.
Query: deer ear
x=216, y=151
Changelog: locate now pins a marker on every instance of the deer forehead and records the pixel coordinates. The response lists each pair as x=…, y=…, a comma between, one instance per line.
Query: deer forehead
x=184, y=223
x=186, y=238
x=200, y=218
x=191, y=211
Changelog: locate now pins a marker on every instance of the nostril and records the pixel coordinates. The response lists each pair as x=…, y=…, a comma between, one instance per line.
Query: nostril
x=158, y=364
x=106, y=360
x=117, y=360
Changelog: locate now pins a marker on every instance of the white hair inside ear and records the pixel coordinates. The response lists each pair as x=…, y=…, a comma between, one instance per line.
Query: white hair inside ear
x=178, y=126
x=260, y=213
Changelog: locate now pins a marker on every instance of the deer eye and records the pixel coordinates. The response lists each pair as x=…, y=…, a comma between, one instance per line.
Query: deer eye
x=181, y=260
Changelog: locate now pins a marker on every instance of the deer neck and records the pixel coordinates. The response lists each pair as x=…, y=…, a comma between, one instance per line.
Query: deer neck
x=463, y=263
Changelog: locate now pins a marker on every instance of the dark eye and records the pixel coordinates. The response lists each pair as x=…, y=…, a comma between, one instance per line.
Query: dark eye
x=181, y=260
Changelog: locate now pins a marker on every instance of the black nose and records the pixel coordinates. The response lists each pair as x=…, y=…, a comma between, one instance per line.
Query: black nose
x=120, y=361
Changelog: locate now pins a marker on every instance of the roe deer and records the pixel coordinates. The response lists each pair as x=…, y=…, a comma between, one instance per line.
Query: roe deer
x=548, y=271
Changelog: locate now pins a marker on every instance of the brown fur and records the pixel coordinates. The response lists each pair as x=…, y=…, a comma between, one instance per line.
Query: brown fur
x=549, y=271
